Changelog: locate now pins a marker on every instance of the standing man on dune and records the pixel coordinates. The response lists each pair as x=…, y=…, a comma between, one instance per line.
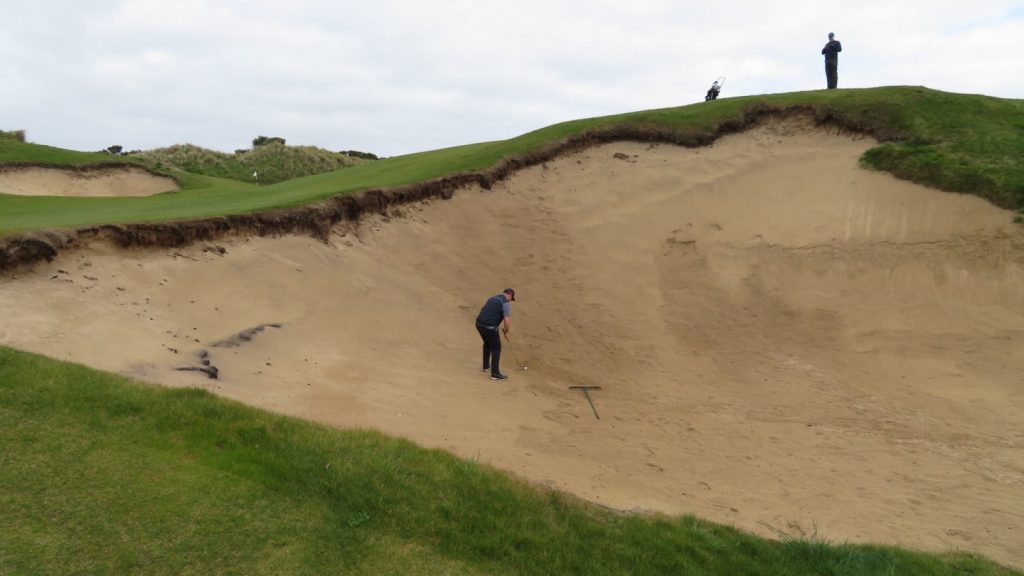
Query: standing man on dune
x=831, y=52
x=493, y=315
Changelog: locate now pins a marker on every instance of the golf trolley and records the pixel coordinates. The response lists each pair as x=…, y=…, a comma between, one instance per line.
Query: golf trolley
x=716, y=88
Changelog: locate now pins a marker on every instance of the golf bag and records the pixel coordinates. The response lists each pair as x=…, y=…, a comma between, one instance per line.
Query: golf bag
x=716, y=88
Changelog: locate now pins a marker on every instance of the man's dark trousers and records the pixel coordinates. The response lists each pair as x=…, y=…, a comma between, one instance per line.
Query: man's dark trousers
x=492, y=347
x=832, y=72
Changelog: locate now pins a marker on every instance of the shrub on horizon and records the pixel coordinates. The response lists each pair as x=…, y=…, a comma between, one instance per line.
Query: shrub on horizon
x=16, y=135
x=264, y=140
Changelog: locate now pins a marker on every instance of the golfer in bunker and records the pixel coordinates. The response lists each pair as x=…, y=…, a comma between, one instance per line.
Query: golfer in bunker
x=494, y=314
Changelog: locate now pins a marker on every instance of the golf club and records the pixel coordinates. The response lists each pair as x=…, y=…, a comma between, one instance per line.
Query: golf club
x=514, y=355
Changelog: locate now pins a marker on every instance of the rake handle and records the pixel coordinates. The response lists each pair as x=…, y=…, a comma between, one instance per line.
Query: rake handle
x=586, y=392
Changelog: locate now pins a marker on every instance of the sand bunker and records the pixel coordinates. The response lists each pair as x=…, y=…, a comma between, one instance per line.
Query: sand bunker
x=784, y=341
x=41, y=181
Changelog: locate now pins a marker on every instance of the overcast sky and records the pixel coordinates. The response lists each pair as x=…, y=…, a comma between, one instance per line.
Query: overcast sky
x=393, y=77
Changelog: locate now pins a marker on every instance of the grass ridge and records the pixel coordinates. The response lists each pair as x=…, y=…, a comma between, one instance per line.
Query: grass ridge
x=926, y=147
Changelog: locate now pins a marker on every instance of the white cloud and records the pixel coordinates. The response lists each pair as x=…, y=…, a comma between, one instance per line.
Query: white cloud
x=392, y=77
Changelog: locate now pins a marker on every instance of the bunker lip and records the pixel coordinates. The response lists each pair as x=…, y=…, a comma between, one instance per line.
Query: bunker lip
x=27, y=248
x=92, y=180
x=83, y=170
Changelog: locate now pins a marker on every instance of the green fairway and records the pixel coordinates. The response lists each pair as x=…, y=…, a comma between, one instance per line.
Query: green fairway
x=954, y=142
x=103, y=475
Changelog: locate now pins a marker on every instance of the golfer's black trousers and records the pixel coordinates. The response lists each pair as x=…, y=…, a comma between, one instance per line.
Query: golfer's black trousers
x=832, y=72
x=492, y=347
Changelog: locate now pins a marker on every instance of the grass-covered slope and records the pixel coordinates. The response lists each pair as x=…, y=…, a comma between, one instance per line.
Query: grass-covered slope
x=15, y=151
x=102, y=475
x=956, y=142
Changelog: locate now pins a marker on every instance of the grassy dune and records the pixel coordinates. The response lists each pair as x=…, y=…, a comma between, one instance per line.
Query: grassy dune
x=272, y=162
x=103, y=475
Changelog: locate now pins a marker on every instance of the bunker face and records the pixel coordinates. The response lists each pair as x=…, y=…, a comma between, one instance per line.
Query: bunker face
x=120, y=181
x=783, y=340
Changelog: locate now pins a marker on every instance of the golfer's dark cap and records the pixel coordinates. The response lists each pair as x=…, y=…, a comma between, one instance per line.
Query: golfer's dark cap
x=511, y=294
x=831, y=35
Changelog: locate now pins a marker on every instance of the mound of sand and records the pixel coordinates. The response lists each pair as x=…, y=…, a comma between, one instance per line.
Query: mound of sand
x=109, y=181
x=784, y=341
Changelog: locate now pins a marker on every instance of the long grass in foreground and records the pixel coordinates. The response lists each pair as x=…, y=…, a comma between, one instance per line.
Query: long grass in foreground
x=102, y=475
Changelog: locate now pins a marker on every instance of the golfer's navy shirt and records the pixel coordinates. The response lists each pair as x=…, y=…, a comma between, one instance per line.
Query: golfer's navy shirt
x=494, y=311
